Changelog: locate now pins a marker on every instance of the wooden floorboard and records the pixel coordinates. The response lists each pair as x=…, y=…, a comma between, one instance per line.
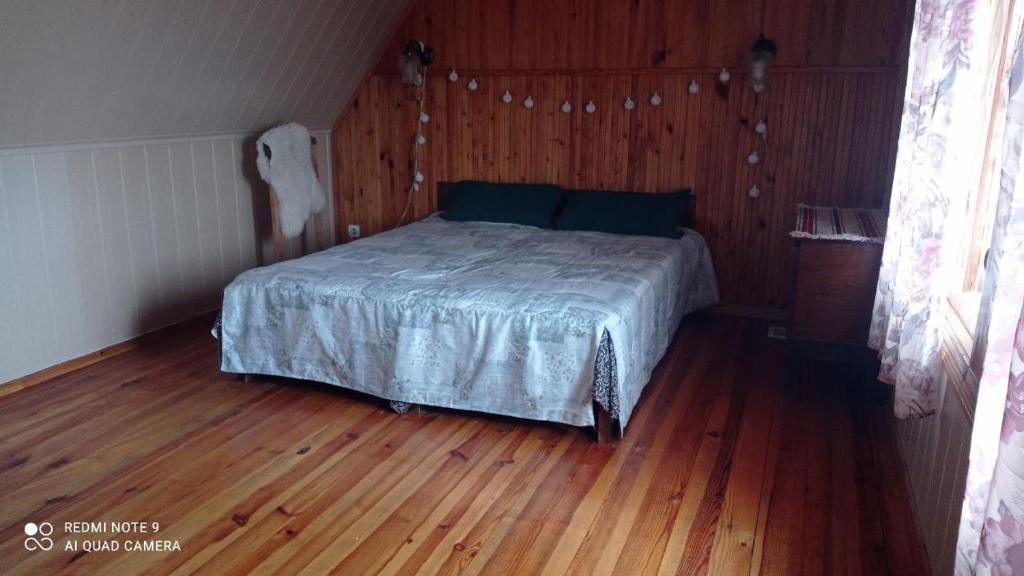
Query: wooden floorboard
x=722, y=470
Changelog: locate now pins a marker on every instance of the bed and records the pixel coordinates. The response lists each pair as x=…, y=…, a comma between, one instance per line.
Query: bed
x=492, y=317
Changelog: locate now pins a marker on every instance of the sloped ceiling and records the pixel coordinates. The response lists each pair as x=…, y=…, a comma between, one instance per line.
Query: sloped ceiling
x=93, y=70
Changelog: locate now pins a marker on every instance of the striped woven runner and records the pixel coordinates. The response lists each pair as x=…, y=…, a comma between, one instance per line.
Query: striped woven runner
x=830, y=223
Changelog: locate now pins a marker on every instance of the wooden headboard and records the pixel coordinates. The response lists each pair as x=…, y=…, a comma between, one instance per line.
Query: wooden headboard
x=687, y=216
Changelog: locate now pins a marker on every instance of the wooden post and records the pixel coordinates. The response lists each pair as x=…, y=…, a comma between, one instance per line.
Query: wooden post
x=275, y=216
x=275, y=226
x=604, y=425
x=318, y=218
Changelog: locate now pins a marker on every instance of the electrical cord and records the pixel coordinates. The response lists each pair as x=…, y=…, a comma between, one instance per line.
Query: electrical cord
x=421, y=97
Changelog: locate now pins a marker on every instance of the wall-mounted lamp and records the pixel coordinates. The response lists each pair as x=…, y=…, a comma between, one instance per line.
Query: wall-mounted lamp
x=760, y=57
x=413, y=60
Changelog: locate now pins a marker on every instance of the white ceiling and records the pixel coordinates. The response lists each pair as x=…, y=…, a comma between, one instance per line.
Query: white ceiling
x=91, y=70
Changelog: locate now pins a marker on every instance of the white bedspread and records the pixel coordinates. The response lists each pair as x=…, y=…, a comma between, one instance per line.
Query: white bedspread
x=497, y=318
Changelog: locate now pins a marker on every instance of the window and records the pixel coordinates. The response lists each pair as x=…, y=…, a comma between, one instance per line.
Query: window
x=973, y=221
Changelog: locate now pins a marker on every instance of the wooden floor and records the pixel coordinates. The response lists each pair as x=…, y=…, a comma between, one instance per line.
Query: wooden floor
x=722, y=471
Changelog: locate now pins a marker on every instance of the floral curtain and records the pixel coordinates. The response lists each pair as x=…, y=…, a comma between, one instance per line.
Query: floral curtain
x=991, y=538
x=939, y=109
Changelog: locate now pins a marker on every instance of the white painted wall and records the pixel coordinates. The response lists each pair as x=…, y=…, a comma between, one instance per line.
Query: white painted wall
x=90, y=70
x=935, y=450
x=100, y=243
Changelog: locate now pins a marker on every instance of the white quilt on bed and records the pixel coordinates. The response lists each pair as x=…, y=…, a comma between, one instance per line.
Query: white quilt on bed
x=497, y=318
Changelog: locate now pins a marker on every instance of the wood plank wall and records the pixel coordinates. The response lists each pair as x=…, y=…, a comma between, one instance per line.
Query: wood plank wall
x=832, y=108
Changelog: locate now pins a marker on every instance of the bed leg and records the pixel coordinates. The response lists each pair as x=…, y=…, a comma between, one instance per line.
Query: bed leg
x=604, y=425
x=245, y=377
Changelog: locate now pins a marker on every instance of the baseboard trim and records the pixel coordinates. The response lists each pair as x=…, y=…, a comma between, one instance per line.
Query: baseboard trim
x=760, y=312
x=114, y=350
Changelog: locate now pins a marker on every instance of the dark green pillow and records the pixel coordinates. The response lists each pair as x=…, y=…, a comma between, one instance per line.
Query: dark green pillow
x=528, y=204
x=623, y=212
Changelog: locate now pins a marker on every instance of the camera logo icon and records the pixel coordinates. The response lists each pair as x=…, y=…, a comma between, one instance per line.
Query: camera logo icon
x=37, y=536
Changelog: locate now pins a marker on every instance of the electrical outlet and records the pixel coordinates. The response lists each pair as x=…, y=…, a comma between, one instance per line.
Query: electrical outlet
x=353, y=231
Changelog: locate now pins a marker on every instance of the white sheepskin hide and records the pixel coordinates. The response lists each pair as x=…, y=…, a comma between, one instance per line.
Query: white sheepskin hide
x=289, y=170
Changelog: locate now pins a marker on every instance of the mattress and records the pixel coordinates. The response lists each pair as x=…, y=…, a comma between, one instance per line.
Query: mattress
x=497, y=318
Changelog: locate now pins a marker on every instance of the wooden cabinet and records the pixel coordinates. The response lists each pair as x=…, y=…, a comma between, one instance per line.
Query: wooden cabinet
x=834, y=283
x=834, y=291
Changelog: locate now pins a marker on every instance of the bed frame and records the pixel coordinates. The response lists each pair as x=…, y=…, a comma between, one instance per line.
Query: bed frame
x=606, y=427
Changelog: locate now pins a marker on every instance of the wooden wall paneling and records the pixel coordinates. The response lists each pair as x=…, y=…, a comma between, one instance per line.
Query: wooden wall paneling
x=61, y=257
x=859, y=179
x=877, y=118
x=498, y=150
x=370, y=180
x=731, y=177
x=617, y=131
x=771, y=112
x=124, y=237
x=856, y=159
x=612, y=33
x=867, y=32
x=832, y=110
x=786, y=22
x=822, y=114
x=603, y=137
x=745, y=174
x=686, y=33
x=549, y=130
x=851, y=121
x=23, y=282
x=183, y=188
x=140, y=238
x=168, y=260
x=212, y=257
x=402, y=124
x=492, y=151
x=782, y=109
x=733, y=26
x=392, y=155
x=520, y=152
x=521, y=34
x=733, y=164
x=649, y=150
x=874, y=174
x=831, y=179
x=116, y=251
x=648, y=27
x=878, y=173
x=460, y=132
x=434, y=153
x=761, y=209
x=893, y=126
x=464, y=39
x=824, y=34
x=670, y=167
